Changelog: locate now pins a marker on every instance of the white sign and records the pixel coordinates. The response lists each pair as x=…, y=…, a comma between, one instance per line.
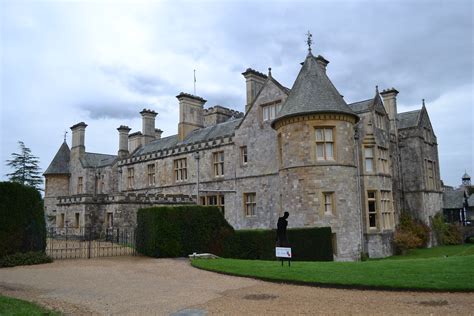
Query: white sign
x=282, y=252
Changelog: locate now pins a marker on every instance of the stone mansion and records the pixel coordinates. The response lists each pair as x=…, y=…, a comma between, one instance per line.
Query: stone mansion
x=353, y=167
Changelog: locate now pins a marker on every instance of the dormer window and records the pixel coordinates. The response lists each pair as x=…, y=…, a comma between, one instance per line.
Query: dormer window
x=270, y=110
x=379, y=121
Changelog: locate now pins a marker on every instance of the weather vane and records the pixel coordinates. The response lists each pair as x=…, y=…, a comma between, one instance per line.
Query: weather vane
x=309, y=41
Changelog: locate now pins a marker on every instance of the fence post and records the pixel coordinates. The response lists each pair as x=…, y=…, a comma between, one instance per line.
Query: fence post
x=89, y=244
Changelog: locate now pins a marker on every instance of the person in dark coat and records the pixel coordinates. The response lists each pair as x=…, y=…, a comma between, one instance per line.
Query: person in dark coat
x=282, y=240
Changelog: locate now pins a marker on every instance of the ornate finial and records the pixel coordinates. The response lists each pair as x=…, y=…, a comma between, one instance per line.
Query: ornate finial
x=377, y=89
x=309, y=41
x=269, y=71
x=65, y=134
x=423, y=101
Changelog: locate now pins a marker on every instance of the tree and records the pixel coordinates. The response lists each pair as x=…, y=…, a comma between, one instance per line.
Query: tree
x=26, y=168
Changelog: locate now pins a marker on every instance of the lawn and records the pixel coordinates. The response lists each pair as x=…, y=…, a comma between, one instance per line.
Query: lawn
x=442, y=251
x=13, y=306
x=428, y=270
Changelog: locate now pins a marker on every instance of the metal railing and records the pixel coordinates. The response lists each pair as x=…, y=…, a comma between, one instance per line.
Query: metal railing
x=90, y=242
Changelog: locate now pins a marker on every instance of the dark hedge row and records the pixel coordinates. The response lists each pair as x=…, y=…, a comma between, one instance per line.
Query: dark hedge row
x=307, y=244
x=180, y=231
x=27, y=258
x=22, y=224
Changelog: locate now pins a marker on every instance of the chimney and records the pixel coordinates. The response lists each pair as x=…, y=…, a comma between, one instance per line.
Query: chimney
x=78, y=147
x=390, y=102
x=254, y=81
x=323, y=62
x=123, y=141
x=190, y=114
x=135, y=140
x=158, y=133
x=148, y=125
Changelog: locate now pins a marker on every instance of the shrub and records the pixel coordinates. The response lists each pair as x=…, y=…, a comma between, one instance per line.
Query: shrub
x=446, y=234
x=309, y=244
x=22, y=224
x=26, y=258
x=410, y=233
x=181, y=230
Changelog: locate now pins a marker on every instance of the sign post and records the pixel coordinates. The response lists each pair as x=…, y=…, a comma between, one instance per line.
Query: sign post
x=284, y=253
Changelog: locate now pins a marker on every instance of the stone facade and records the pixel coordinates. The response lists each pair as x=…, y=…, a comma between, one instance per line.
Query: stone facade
x=352, y=167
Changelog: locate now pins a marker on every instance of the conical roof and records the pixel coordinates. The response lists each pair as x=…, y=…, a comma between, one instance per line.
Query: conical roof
x=312, y=93
x=60, y=163
x=466, y=176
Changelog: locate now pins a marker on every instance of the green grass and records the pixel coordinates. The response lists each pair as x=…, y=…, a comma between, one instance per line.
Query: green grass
x=452, y=273
x=442, y=251
x=13, y=306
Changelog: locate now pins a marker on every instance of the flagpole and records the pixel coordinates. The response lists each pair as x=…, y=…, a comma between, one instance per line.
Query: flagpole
x=194, y=81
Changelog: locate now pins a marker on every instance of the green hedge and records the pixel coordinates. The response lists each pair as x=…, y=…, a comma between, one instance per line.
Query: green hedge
x=22, y=224
x=307, y=244
x=27, y=258
x=181, y=230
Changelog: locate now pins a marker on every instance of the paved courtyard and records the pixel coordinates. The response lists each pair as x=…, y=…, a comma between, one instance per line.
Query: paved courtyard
x=138, y=285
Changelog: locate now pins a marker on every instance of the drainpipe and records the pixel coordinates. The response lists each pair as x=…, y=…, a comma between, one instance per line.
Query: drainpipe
x=359, y=193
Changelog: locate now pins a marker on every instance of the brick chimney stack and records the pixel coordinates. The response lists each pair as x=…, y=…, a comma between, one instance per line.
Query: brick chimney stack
x=390, y=102
x=190, y=114
x=123, y=140
x=254, y=81
x=148, y=125
x=78, y=147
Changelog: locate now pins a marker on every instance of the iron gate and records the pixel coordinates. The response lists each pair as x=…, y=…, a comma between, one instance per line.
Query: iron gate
x=90, y=242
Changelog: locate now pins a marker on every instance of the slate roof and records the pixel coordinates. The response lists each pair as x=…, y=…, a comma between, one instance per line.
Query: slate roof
x=408, y=119
x=203, y=134
x=453, y=199
x=361, y=106
x=97, y=160
x=60, y=163
x=470, y=200
x=313, y=92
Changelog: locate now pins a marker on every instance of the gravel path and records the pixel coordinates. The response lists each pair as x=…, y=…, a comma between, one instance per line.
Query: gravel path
x=138, y=285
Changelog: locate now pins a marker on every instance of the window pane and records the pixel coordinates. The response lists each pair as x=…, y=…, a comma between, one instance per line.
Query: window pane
x=369, y=165
x=320, y=151
x=328, y=134
x=329, y=153
x=369, y=152
x=265, y=113
x=319, y=134
x=371, y=195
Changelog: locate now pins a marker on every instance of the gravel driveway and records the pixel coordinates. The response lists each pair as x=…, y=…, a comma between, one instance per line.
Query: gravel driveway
x=138, y=285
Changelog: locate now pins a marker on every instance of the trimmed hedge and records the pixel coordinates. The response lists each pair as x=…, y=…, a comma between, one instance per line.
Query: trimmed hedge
x=181, y=230
x=27, y=258
x=307, y=244
x=177, y=231
x=22, y=223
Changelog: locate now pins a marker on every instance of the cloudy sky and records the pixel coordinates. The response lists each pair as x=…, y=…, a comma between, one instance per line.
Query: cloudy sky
x=101, y=62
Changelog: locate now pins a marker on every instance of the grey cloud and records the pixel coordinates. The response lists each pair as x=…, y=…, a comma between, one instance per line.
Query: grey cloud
x=113, y=110
x=142, y=83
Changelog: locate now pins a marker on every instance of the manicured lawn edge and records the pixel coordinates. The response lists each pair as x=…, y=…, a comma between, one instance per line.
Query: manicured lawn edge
x=14, y=306
x=334, y=285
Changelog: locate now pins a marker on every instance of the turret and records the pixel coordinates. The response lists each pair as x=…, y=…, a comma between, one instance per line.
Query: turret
x=190, y=114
